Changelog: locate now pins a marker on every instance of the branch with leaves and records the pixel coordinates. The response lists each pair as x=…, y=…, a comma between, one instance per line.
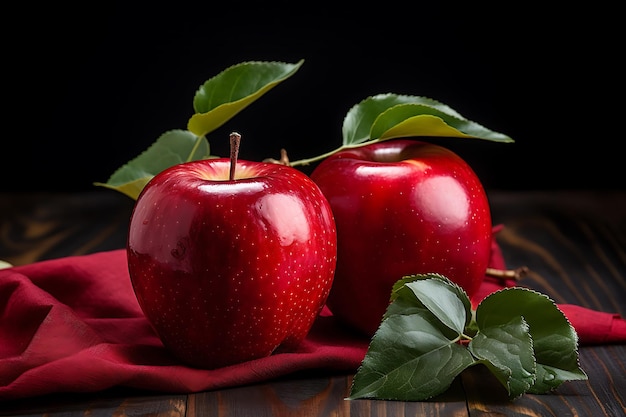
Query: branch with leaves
x=430, y=334
x=374, y=119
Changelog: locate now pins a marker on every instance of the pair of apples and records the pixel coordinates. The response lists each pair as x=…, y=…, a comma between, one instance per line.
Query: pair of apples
x=233, y=266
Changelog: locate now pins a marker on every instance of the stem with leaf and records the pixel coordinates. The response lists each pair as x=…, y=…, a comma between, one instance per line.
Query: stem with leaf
x=284, y=158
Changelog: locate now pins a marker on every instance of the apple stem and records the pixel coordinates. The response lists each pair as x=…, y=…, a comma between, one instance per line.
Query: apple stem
x=515, y=274
x=334, y=151
x=235, y=140
x=284, y=159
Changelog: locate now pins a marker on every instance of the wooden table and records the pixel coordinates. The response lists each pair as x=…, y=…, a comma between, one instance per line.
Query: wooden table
x=574, y=243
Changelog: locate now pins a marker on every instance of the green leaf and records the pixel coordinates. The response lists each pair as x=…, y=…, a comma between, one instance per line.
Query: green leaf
x=451, y=305
x=409, y=359
x=223, y=96
x=507, y=350
x=555, y=341
x=443, y=301
x=407, y=120
x=387, y=116
x=216, y=101
x=414, y=355
x=171, y=148
x=549, y=377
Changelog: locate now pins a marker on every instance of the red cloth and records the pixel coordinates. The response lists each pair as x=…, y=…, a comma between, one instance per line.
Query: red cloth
x=74, y=325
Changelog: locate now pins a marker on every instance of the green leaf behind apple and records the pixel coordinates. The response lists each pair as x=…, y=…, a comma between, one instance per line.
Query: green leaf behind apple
x=223, y=96
x=173, y=147
x=389, y=116
x=392, y=116
x=216, y=101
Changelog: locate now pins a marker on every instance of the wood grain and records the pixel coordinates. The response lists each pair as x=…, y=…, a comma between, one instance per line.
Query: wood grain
x=574, y=243
x=40, y=226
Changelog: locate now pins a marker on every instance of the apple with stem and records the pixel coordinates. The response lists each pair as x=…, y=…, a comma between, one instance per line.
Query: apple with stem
x=401, y=207
x=231, y=260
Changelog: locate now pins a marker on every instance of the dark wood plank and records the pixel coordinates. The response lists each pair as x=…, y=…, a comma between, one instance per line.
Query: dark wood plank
x=573, y=242
x=315, y=396
x=118, y=403
x=40, y=226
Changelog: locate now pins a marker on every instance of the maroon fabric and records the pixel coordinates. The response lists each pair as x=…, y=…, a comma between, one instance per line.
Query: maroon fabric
x=74, y=325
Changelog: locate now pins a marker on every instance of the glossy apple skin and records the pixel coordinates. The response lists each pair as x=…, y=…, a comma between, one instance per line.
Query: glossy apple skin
x=401, y=207
x=231, y=270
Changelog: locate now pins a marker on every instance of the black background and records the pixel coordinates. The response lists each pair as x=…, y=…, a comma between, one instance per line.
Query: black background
x=87, y=88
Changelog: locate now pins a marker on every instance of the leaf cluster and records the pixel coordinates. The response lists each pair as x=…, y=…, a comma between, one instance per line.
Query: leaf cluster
x=220, y=98
x=430, y=334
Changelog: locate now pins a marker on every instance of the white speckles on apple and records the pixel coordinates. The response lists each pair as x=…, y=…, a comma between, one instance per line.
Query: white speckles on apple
x=261, y=286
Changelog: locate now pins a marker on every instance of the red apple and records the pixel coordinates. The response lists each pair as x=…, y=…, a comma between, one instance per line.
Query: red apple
x=229, y=270
x=401, y=207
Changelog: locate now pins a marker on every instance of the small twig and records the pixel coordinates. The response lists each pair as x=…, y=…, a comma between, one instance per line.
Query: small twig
x=515, y=274
x=284, y=159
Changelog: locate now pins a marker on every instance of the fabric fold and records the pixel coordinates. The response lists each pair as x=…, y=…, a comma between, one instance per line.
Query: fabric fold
x=74, y=325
